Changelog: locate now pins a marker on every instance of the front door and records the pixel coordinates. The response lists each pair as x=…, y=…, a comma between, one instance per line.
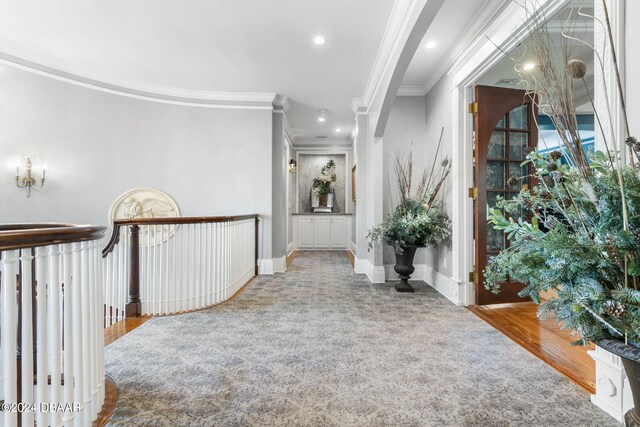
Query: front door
x=505, y=128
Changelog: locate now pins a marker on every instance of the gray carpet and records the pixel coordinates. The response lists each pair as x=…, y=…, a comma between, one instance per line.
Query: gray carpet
x=321, y=346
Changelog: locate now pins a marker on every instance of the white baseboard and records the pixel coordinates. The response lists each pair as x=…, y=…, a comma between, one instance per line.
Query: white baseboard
x=265, y=266
x=238, y=284
x=447, y=286
x=375, y=274
x=280, y=264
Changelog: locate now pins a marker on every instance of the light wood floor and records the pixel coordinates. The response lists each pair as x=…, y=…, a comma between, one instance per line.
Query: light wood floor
x=543, y=338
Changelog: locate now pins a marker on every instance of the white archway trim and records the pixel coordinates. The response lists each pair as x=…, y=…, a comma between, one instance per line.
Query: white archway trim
x=482, y=54
x=154, y=93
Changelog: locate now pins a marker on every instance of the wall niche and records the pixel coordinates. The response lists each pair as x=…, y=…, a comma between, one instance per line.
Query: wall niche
x=309, y=166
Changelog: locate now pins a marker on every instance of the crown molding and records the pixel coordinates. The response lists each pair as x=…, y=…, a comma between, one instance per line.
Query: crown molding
x=149, y=92
x=468, y=41
x=315, y=143
x=399, y=19
x=281, y=104
x=358, y=106
x=411, y=90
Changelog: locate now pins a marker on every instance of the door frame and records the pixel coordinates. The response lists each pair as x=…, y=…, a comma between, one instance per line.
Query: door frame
x=480, y=56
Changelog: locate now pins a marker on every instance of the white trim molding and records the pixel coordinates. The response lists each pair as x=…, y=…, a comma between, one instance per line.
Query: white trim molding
x=314, y=143
x=412, y=90
x=280, y=264
x=446, y=286
x=149, y=92
x=375, y=274
x=501, y=34
x=265, y=267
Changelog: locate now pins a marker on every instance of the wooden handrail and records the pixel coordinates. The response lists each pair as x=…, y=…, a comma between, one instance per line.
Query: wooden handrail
x=21, y=236
x=115, y=234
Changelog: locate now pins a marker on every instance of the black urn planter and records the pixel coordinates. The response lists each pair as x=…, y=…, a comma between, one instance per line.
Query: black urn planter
x=630, y=356
x=404, y=267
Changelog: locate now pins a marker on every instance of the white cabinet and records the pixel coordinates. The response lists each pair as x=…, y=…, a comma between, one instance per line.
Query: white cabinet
x=339, y=233
x=305, y=232
x=321, y=231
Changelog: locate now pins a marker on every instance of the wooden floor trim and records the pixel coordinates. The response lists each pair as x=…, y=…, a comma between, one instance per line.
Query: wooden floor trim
x=110, y=401
x=542, y=338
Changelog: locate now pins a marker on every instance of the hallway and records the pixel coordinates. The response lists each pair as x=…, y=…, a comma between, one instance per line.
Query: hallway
x=320, y=346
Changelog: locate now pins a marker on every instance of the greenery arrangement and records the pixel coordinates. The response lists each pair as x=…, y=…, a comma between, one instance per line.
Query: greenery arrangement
x=417, y=220
x=322, y=184
x=577, y=232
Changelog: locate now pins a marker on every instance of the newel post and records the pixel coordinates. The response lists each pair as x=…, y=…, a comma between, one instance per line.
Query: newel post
x=134, y=306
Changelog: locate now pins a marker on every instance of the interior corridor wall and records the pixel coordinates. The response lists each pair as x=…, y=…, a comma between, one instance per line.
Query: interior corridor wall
x=97, y=145
x=438, y=115
x=406, y=129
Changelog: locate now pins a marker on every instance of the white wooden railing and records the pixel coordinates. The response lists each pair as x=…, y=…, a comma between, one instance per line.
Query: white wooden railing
x=51, y=333
x=159, y=266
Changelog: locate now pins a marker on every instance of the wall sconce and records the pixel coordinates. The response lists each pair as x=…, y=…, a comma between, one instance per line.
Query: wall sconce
x=292, y=166
x=28, y=181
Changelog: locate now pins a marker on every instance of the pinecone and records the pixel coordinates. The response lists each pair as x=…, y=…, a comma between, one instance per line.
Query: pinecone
x=555, y=155
x=529, y=150
x=552, y=167
x=513, y=180
x=613, y=308
x=549, y=181
x=630, y=141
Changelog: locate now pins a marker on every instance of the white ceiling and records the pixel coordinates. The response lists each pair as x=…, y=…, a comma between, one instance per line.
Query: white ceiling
x=457, y=22
x=568, y=21
x=211, y=45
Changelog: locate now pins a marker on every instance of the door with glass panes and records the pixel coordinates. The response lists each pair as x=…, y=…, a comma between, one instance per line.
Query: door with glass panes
x=505, y=129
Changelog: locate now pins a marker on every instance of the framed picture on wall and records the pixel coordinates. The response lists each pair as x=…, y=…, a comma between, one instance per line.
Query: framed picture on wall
x=353, y=183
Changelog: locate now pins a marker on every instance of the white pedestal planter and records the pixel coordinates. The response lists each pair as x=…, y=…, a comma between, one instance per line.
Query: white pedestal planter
x=613, y=394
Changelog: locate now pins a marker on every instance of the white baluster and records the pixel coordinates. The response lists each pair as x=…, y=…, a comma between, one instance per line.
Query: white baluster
x=78, y=316
x=218, y=258
x=42, y=368
x=54, y=309
x=26, y=350
x=209, y=296
x=197, y=258
x=86, y=332
x=97, y=253
x=69, y=283
x=89, y=282
x=164, y=271
x=9, y=332
x=172, y=289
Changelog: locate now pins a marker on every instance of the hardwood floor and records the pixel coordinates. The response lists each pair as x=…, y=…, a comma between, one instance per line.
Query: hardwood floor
x=291, y=257
x=110, y=401
x=543, y=338
x=352, y=259
x=121, y=328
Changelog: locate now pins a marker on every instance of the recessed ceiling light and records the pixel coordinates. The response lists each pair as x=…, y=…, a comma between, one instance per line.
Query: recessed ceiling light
x=338, y=130
x=431, y=45
x=528, y=66
x=322, y=119
x=319, y=40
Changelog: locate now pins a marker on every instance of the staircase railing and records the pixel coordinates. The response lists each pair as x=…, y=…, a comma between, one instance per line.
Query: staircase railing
x=51, y=334
x=158, y=266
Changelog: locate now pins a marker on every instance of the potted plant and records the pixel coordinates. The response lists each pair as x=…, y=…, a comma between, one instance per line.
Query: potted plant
x=417, y=221
x=579, y=242
x=322, y=185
